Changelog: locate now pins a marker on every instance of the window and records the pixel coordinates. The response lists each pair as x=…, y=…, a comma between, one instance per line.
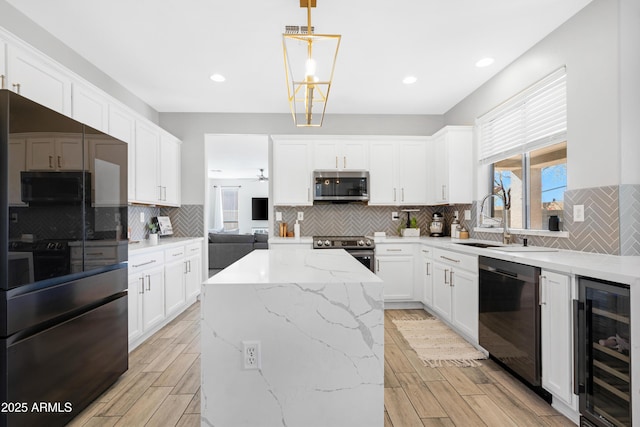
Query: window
x=523, y=144
x=230, y=208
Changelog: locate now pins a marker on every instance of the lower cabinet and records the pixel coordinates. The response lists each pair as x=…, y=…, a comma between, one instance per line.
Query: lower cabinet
x=395, y=266
x=556, y=336
x=455, y=290
x=162, y=283
x=427, y=275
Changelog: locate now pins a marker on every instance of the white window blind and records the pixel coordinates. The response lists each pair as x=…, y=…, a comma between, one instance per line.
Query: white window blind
x=534, y=118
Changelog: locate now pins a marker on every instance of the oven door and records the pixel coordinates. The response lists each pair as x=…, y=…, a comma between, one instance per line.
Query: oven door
x=365, y=257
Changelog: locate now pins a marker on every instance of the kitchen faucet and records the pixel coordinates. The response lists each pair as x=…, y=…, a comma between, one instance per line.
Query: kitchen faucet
x=506, y=233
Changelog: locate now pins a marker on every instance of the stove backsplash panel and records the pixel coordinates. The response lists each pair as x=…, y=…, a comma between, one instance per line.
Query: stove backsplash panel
x=358, y=219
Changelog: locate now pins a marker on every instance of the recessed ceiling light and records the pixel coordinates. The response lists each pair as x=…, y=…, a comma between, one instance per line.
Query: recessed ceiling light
x=409, y=80
x=218, y=78
x=484, y=62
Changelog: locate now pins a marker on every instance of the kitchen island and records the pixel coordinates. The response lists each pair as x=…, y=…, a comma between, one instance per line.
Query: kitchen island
x=316, y=319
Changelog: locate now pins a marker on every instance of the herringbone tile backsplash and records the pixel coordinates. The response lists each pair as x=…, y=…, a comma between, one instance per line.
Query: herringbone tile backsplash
x=187, y=220
x=630, y=219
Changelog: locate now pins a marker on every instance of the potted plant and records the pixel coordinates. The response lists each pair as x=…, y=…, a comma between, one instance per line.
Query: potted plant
x=153, y=233
x=412, y=230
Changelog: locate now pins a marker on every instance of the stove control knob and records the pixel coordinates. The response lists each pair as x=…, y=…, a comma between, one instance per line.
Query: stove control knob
x=319, y=243
x=368, y=243
x=327, y=243
x=360, y=242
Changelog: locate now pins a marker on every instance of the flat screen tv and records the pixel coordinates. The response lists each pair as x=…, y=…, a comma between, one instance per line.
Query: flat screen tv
x=259, y=208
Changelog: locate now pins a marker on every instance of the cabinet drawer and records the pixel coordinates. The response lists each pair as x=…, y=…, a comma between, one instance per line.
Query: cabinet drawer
x=426, y=251
x=455, y=259
x=194, y=248
x=174, y=253
x=144, y=261
x=399, y=249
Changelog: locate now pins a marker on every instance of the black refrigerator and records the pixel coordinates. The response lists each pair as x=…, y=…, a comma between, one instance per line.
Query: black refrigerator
x=63, y=263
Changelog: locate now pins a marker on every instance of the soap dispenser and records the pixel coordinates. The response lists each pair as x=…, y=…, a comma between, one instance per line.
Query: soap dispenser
x=296, y=230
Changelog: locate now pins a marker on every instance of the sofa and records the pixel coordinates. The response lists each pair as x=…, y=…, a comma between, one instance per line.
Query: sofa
x=225, y=248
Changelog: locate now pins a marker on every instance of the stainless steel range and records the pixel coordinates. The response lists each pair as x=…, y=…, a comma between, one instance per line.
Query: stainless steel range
x=360, y=247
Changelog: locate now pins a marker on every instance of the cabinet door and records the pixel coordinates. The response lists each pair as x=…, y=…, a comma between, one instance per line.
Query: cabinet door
x=194, y=275
x=441, y=170
x=17, y=164
x=382, y=172
x=412, y=172
x=146, y=164
x=69, y=154
x=464, y=286
x=397, y=274
x=36, y=78
x=134, y=297
x=427, y=281
x=174, y=281
x=41, y=154
x=556, y=335
x=326, y=155
x=90, y=107
x=292, y=175
x=442, y=290
x=170, y=170
x=354, y=156
x=3, y=65
x=153, y=306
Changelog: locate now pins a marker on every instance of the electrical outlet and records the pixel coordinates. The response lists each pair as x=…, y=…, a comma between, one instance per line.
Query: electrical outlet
x=394, y=216
x=251, y=354
x=300, y=216
x=278, y=216
x=141, y=216
x=578, y=213
x=467, y=215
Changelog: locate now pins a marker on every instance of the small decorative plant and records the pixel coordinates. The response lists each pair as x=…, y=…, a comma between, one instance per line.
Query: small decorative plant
x=152, y=227
x=414, y=223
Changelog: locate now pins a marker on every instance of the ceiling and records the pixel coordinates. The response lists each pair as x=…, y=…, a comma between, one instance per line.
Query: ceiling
x=165, y=50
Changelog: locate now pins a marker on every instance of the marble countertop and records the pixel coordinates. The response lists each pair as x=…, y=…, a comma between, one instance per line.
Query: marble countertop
x=163, y=243
x=621, y=269
x=301, y=240
x=301, y=266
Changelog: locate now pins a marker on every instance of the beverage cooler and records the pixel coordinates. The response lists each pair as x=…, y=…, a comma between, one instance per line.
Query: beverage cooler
x=602, y=353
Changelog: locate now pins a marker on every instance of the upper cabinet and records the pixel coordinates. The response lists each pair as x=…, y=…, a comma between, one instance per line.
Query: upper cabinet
x=292, y=172
x=341, y=154
x=38, y=79
x=3, y=64
x=452, y=165
x=398, y=173
x=54, y=153
x=17, y=154
x=156, y=167
x=90, y=107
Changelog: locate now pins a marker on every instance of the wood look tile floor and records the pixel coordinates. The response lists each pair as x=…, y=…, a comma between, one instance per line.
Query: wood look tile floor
x=162, y=387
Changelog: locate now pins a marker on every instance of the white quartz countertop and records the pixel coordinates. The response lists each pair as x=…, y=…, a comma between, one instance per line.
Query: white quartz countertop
x=621, y=269
x=163, y=243
x=292, y=240
x=301, y=266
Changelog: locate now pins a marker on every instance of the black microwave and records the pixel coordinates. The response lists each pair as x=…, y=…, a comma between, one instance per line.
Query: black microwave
x=334, y=186
x=55, y=187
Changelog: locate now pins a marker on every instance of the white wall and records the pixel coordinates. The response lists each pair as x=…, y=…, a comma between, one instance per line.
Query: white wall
x=248, y=189
x=192, y=127
x=588, y=45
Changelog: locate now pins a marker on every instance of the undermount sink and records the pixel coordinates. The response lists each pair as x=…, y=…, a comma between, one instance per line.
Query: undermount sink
x=479, y=245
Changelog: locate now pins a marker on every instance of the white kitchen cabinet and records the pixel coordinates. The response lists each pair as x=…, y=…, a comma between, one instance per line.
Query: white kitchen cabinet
x=340, y=155
x=146, y=278
x=17, y=154
x=153, y=305
x=291, y=173
x=134, y=297
x=169, y=170
x=3, y=64
x=36, y=77
x=175, y=269
x=122, y=124
x=453, y=175
x=193, y=276
x=427, y=275
x=147, y=162
x=55, y=153
x=89, y=106
x=556, y=335
x=455, y=290
x=395, y=266
x=397, y=172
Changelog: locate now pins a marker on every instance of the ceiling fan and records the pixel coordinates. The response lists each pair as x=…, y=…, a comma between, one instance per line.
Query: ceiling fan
x=261, y=177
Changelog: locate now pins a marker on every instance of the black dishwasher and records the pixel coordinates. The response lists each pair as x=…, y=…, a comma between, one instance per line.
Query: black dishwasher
x=509, y=321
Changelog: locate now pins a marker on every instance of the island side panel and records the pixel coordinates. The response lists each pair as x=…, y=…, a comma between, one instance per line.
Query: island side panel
x=322, y=354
